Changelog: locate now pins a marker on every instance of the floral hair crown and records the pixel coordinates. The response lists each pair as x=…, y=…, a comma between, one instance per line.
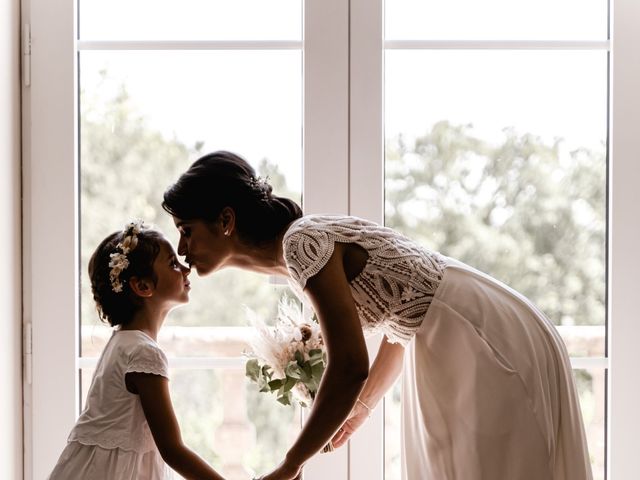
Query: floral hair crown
x=119, y=261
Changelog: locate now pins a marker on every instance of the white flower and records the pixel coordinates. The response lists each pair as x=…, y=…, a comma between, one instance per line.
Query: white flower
x=129, y=243
x=135, y=226
x=277, y=346
x=118, y=261
x=297, y=335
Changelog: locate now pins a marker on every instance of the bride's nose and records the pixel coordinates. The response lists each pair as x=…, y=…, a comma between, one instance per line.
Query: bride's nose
x=182, y=246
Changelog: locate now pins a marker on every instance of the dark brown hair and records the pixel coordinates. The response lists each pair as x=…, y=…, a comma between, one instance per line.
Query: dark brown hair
x=118, y=308
x=224, y=179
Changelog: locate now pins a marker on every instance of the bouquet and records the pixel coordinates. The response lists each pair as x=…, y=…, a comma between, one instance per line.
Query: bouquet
x=289, y=358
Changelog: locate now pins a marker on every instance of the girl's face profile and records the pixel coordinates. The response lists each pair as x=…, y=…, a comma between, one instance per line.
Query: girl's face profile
x=203, y=244
x=172, y=276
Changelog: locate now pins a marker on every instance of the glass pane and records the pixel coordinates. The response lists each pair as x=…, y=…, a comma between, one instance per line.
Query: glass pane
x=143, y=124
x=591, y=389
x=496, y=20
x=392, y=432
x=223, y=418
x=498, y=158
x=190, y=19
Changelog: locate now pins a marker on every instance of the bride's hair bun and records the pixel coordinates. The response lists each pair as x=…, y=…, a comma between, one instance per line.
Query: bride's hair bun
x=223, y=179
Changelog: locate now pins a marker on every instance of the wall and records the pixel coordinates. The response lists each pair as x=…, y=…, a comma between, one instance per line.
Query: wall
x=10, y=244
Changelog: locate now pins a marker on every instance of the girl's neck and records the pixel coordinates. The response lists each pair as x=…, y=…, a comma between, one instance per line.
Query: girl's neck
x=147, y=321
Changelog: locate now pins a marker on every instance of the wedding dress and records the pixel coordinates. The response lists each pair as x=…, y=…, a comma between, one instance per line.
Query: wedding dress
x=488, y=390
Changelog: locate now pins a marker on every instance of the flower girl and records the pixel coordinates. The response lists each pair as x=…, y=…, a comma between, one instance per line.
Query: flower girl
x=128, y=429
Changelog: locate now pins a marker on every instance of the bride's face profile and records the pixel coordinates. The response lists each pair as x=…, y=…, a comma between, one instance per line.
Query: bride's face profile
x=204, y=245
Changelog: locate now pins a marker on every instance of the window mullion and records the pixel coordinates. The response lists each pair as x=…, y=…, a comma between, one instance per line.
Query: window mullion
x=496, y=45
x=326, y=113
x=325, y=142
x=366, y=186
x=169, y=45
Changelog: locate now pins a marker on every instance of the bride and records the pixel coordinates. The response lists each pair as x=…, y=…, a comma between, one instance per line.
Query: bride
x=488, y=391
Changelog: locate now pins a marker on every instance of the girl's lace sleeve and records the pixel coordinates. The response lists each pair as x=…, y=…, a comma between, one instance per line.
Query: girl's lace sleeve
x=306, y=251
x=148, y=358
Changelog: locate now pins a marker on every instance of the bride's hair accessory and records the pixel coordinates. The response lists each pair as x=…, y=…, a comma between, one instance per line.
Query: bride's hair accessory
x=119, y=261
x=261, y=186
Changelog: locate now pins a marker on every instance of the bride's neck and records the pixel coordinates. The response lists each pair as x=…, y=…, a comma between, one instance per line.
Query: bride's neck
x=267, y=259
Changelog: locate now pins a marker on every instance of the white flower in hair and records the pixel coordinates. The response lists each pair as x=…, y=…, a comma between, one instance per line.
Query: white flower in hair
x=136, y=226
x=119, y=261
x=128, y=244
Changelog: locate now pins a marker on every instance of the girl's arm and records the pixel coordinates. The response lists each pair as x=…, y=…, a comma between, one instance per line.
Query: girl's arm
x=158, y=410
x=384, y=372
x=347, y=366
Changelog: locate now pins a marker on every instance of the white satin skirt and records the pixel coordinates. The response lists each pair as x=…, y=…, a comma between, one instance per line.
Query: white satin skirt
x=488, y=390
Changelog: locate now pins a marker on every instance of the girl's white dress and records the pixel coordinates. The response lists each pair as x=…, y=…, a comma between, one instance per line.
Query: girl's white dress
x=488, y=390
x=111, y=439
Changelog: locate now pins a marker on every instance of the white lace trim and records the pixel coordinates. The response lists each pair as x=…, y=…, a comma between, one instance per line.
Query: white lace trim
x=148, y=368
x=393, y=291
x=140, y=447
x=148, y=359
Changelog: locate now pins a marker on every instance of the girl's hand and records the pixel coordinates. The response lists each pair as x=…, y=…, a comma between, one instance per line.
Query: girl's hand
x=356, y=418
x=284, y=471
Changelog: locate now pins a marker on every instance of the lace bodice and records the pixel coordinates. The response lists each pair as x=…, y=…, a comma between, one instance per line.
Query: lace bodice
x=393, y=291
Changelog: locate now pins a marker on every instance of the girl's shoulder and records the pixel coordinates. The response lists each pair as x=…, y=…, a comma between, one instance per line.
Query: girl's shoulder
x=129, y=344
x=141, y=353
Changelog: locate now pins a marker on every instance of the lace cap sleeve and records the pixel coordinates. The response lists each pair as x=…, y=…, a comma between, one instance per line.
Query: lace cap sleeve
x=148, y=358
x=306, y=251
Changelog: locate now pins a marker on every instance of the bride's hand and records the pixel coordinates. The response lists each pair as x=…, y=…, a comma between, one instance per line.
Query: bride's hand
x=284, y=471
x=356, y=418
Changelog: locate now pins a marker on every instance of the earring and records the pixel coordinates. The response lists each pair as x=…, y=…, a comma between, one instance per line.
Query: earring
x=227, y=233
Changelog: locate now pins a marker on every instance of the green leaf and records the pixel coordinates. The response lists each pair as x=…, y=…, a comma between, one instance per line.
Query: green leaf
x=252, y=370
x=293, y=370
x=307, y=372
x=316, y=356
x=276, y=384
x=285, y=399
x=299, y=357
x=267, y=371
x=289, y=384
x=317, y=370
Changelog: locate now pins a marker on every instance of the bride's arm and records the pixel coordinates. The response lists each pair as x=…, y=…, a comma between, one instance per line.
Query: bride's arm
x=384, y=372
x=347, y=367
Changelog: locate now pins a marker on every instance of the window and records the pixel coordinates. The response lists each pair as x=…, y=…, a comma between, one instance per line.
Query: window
x=141, y=125
x=495, y=154
x=114, y=83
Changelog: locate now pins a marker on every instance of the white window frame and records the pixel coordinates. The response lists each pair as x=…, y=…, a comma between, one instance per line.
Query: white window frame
x=343, y=112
